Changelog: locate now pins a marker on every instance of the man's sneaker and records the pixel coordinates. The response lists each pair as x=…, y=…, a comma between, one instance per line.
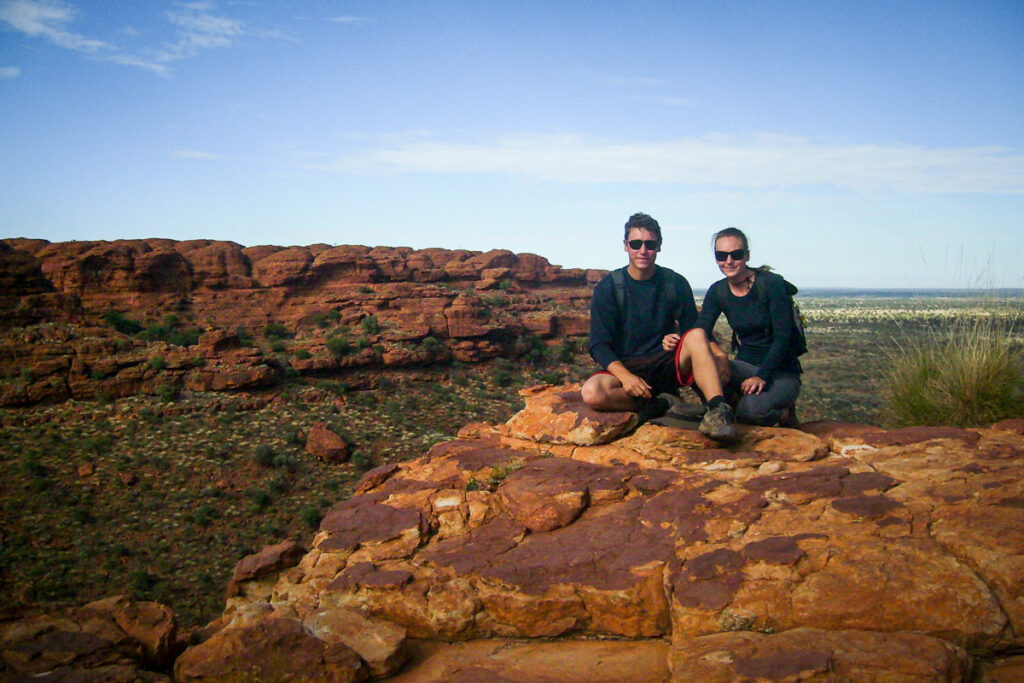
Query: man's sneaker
x=719, y=424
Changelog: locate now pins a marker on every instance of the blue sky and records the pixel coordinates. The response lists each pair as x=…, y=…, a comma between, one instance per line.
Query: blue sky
x=859, y=144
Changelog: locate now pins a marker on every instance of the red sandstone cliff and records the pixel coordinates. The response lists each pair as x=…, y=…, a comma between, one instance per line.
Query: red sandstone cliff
x=388, y=306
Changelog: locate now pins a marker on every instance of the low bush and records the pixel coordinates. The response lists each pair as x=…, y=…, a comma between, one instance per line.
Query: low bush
x=339, y=346
x=122, y=323
x=370, y=324
x=968, y=374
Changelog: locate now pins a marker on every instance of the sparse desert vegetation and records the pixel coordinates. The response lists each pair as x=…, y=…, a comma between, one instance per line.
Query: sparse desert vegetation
x=160, y=496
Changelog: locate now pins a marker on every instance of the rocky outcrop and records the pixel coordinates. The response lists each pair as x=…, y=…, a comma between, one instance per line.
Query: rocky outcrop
x=835, y=553
x=228, y=285
x=115, y=640
x=86, y=320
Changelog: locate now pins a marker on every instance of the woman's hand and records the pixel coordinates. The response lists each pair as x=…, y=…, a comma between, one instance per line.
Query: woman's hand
x=753, y=385
x=670, y=341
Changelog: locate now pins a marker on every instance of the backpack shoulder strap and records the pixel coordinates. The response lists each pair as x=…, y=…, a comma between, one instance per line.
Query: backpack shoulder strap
x=619, y=285
x=668, y=286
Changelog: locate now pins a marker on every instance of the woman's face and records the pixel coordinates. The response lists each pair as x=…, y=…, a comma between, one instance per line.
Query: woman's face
x=731, y=267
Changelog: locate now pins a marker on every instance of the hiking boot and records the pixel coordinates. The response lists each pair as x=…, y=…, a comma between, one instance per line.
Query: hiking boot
x=719, y=424
x=788, y=419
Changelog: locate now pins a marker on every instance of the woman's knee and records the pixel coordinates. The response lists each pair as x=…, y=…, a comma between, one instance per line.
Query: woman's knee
x=751, y=411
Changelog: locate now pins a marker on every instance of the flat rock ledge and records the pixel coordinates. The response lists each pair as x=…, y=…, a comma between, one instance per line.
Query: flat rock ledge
x=517, y=553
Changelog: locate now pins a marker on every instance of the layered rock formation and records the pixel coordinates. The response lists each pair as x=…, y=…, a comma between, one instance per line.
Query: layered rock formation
x=112, y=319
x=114, y=640
x=835, y=553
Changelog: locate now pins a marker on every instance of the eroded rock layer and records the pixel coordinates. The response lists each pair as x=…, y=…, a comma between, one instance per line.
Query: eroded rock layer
x=90, y=320
x=834, y=553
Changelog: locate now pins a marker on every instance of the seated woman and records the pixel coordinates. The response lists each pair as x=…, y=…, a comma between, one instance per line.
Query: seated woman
x=766, y=372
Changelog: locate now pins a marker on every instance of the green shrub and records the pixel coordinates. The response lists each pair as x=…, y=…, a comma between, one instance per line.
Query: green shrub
x=501, y=373
x=370, y=324
x=303, y=354
x=244, y=338
x=967, y=375
x=264, y=455
x=122, y=323
x=339, y=346
x=276, y=331
x=167, y=392
x=157, y=363
x=168, y=331
x=363, y=461
x=432, y=344
x=364, y=289
x=567, y=351
x=261, y=500
x=310, y=516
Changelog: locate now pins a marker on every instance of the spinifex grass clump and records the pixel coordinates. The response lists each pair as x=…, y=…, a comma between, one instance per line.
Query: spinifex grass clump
x=968, y=374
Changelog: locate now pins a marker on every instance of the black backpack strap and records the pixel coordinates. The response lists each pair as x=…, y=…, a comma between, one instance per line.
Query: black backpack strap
x=668, y=288
x=619, y=285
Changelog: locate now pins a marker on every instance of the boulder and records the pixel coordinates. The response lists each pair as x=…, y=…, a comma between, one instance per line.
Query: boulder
x=325, y=444
x=274, y=649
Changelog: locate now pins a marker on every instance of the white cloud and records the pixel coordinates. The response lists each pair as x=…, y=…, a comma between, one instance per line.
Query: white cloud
x=48, y=19
x=199, y=30
x=760, y=161
x=195, y=154
x=350, y=20
x=9, y=72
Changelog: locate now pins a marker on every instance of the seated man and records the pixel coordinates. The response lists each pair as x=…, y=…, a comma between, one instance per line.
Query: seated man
x=642, y=333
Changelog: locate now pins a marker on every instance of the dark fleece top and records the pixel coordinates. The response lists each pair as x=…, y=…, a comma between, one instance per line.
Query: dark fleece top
x=764, y=330
x=646, y=320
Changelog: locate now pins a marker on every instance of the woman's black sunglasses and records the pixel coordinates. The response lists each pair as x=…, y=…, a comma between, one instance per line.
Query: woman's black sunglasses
x=652, y=245
x=737, y=255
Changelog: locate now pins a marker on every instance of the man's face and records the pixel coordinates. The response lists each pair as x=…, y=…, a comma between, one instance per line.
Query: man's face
x=642, y=259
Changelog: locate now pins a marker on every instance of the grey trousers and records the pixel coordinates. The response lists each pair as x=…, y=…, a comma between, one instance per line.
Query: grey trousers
x=765, y=408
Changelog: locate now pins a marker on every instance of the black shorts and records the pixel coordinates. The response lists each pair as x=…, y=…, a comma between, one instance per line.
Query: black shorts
x=660, y=370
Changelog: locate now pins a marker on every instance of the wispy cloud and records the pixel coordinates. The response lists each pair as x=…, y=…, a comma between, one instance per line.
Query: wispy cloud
x=9, y=72
x=760, y=161
x=351, y=20
x=198, y=27
x=196, y=154
x=48, y=19
x=658, y=100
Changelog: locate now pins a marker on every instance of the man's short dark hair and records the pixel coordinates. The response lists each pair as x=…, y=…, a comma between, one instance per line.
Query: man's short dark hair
x=645, y=222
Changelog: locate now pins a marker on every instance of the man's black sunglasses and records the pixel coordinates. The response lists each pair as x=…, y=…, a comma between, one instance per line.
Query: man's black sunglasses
x=652, y=245
x=737, y=255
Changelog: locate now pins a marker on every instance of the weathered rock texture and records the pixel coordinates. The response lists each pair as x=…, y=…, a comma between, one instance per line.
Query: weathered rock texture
x=114, y=640
x=835, y=553
x=338, y=308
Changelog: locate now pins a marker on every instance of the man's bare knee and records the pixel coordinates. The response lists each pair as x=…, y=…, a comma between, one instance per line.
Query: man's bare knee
x=696, y=340
x=592, y=394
